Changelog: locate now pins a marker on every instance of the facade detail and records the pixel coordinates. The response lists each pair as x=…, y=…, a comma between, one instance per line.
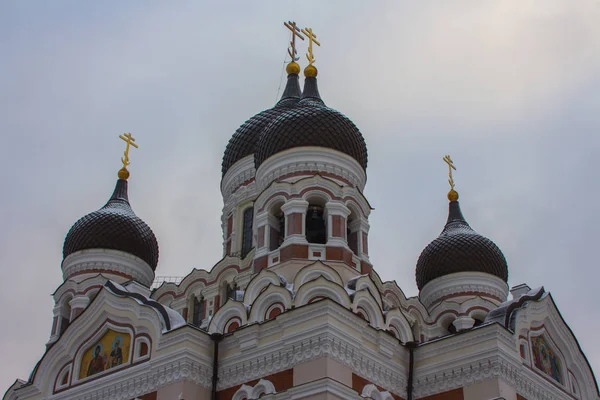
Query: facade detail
x=295, y=308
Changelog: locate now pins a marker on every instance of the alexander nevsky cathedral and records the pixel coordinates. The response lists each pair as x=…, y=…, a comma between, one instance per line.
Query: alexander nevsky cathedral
x=295, y=309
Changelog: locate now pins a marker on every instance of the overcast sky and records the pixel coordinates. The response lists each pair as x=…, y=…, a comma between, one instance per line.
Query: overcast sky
x=510, y=89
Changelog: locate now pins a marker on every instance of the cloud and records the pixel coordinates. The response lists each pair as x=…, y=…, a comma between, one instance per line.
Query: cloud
x=510, y=89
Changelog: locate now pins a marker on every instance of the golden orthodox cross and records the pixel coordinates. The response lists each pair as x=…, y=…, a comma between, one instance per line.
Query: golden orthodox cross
x=312, y=38
x=451, y=167
x=130, y=142
x=291, y=25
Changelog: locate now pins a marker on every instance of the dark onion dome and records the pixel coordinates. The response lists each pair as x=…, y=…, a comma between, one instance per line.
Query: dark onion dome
x=243, y=141
x=459, y=249
x=311, y=123
x=115, y=226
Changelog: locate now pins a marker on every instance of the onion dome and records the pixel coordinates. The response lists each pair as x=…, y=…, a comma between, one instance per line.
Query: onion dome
x=459, y=249
x=311, y=123
x=115, y=226
x=243, y=141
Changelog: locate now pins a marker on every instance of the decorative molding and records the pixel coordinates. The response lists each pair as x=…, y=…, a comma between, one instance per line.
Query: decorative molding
x=477, y=283
x=239, y=173
x=313, y=159
x=105, y=260
x=261, y=388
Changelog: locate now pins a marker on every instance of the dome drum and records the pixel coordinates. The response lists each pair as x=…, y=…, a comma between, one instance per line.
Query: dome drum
x=464, y=284
x=91, y=262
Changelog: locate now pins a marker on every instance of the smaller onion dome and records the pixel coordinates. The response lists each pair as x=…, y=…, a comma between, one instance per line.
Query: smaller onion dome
x=115, y=226
x=311, y=123
x=459, y=249
x=244, y=140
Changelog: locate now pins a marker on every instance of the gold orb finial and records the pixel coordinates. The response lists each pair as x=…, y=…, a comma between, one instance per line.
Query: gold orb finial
x=130, y=141
x=452, y=195
x=123, y=174
x=310, y=71
x=292, y=68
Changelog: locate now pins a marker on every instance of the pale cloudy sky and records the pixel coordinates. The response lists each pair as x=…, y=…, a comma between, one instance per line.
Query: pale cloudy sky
x=509, y=88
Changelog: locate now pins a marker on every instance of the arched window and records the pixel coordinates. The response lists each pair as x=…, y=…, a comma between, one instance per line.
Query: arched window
x=352, y=237
x=247, y=231
x=199, y=310
x=316, y=229
x=276, y=227
x=65, y=314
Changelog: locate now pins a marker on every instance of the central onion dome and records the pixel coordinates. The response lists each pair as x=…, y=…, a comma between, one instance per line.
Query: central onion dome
x=244, y=140
x=459, y=249
x=115, y=226
x=311, y=123
x=299, y=119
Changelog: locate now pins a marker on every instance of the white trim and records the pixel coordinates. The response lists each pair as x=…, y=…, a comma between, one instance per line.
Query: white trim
x=106, y=260
x=314, y=159
x=240, y=172
x=464, y=282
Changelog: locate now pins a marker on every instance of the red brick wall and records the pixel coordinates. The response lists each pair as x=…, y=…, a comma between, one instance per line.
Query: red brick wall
x=294, y=223
x=358, y=383
x=365, y=268
x=282, y=381
x=337, y=225
x=456, y=394
x=519, y=397
x=294, y=251
x=149, y=396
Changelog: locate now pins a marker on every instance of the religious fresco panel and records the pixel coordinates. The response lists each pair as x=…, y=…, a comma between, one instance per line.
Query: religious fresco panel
x=109, y=352
x=545, y=358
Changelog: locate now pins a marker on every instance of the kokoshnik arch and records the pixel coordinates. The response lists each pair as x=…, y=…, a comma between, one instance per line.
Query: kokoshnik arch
x=295, y=309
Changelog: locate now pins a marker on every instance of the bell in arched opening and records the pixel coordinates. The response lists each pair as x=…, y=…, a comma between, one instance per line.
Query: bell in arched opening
x=316, y=229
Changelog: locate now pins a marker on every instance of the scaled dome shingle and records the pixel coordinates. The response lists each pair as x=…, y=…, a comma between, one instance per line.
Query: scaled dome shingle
x=115, y=226
x=311, y=123
x=244, y=140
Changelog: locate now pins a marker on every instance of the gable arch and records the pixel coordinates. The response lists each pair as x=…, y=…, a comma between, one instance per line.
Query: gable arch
x=258, y=283
x=229, y=310
x=315, y=270
x=364, y=282
x=363, y=300
x=320, y=288
x=397, y=320
x=271, y=295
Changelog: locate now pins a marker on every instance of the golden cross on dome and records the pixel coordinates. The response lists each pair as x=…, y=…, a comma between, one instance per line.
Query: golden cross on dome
x=312, y=38
x=127, y=138
x=291, y=25
x=452, y=194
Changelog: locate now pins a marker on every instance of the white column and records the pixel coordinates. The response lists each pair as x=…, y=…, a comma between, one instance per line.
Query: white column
x=299, y=207
x=336, y=209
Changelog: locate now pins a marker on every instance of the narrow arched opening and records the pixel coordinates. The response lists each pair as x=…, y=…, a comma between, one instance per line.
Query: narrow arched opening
x=352, y=231
x=247, y=218
x=316, y=221
x=199, y=311
x=276, y=227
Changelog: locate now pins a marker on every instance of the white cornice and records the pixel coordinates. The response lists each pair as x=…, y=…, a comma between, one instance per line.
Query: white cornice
x=105, y=260
x=463, y=282
x=240, y=172
x=313, y=159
